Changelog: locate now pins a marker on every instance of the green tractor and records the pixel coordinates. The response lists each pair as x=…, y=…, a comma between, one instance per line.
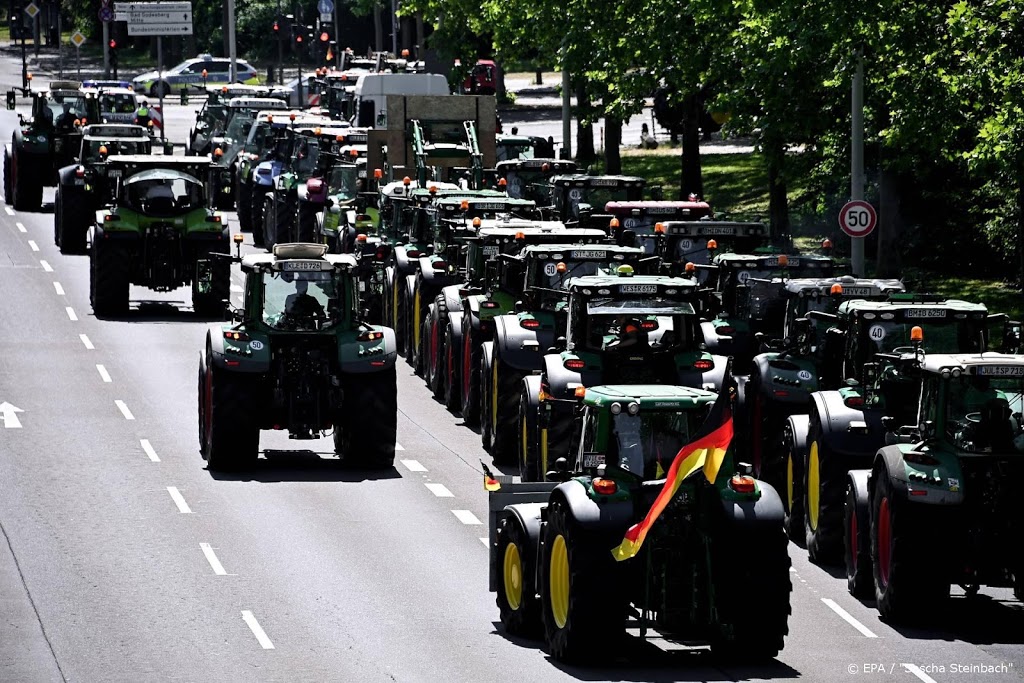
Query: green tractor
x=936, y=504
x=712, y=568
x=159, y=233
x=298, y=359
x=49, y=140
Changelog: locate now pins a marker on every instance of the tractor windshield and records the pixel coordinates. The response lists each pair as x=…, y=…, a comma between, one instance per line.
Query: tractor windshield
x=984, y=413
x=155, y=193
x=646, y=443
x=300, y=301
x=944, y=335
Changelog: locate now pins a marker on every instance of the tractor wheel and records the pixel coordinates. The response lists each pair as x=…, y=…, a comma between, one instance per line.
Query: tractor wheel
x=471, y=359
x=229, y=435
x=256, y=206
x=504, y=410
x=109, y=279
x=305, y=229
x=582, y=607
x=857, y=548
x=244, y=207
x=907, y=585
x=27, y=189
x=70, y=210
x=517, y=598
x=368, y=425
x=452, y=366
x=434, y=362
x=750, y=632
x=794, y=500
x=210, y=304
x=529, y=458
x=823, y=501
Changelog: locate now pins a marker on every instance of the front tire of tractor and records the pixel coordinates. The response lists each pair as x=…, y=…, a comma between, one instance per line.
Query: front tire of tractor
x=366, y=430
x=517, y=599
x=908, y=587
x=229, y=435
x=109, y=279
x=857, y=548
x=470, y=376
x=69, y=210
x=824, y=485
x=757, y=633
x=581, y=603
x=505, y=383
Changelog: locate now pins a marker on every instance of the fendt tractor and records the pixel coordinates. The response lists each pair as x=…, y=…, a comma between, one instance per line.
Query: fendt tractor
x=621, y=329
x=159, y=233
x=803, y=360
x=83, y=188
x=713, y=568
x=937, y=503
x=298, y=358
x=843, y=428
x=45, y=142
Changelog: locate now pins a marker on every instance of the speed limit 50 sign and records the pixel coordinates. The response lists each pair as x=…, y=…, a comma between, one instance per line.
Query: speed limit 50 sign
x=857, y=218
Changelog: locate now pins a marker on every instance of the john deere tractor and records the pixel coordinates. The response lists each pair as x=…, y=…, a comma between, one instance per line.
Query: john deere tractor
x=298, y=359
x=159, y=233
x=936, y=503
x=713, y=568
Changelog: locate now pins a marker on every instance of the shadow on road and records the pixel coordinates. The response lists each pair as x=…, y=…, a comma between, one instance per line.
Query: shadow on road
x=304, y=465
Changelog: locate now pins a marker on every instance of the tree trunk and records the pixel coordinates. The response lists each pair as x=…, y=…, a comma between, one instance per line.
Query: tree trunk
x=378, y=27
x=612, y=141
x=890, y=224
x=691, y=176
x=585, y=154
x=778, y=207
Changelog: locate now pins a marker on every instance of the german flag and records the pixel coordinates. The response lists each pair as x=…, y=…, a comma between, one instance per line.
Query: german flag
x=706, y=451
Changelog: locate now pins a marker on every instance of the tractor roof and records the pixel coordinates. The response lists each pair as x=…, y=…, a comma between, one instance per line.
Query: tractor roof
x=583, y=180
x=851, y=286
x=712, y=228
x=649, y=396
x=910, y=309
x=984, y=364
x=299, y=257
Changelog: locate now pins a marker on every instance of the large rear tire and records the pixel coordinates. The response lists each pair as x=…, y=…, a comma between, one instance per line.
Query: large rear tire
x=368, y=425
x=229, y=434
x=470, y=375
x=109, y=278
x=70, y=215
x=518, y=602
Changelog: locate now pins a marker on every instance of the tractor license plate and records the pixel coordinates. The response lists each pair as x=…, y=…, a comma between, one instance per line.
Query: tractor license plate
x=857, y=291
x=638, y=289
x=1001, y=370
x=581, y=254
x=926, y=313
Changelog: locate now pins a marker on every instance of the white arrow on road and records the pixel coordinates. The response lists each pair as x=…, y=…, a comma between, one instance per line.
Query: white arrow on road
x=9, y=414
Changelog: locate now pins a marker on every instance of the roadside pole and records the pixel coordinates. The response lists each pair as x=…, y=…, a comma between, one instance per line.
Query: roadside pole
x=857, y=158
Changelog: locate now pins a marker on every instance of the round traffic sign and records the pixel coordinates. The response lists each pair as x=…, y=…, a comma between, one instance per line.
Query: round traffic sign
x=857, y=218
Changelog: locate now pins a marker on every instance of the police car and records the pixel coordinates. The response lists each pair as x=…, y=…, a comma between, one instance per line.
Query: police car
x=189, y=74
x=116, y=98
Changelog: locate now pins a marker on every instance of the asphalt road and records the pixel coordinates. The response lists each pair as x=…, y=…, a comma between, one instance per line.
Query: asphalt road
x=123, y=559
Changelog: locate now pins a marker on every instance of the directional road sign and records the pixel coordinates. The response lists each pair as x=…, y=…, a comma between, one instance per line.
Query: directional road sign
x=77, y=39
x=858, y=218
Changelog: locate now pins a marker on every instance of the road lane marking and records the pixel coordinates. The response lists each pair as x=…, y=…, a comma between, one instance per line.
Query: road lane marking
x=33, y=246
x=179, y=500
x=916, y=670
x=58, y=288
x=399, y=447
x=486, y=542
x=46, y=266
x=440, y=490
x=848, y=618
x=124, y=410
x=466, y=517
x=148, y=447
x=9, y=210
x=414, y=466
x=85, y=340
x=21, y=227
x=71, y=314
x=236, y=288
x=104, y=375
x=257, y=630
x=218, y=568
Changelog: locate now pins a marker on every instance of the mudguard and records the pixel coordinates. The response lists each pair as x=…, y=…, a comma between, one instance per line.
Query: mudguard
x=609, y=520
x=795, y=379
x=519, y=347
x=839, y=428
x=765, y=513
x=361, y=358
x=258, y=363
x=528, y=517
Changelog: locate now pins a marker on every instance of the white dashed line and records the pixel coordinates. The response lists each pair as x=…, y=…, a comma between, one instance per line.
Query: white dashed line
x=916, y=670
x=21, y=227
x=58, y=289
x=46, y=266
x=104, y=375
x=399, y=447
x=486, y=542
x=848, y=618
x=148, y=447
x=466, y=517
x=257, y=630
x=440, y=491
x=414, y=466
x=9, y=210
x=236, y=288
x=124, y=410
x=71, y=314
x=85, y=340
x=179, y=500
x=218, y=568
x=32, y=245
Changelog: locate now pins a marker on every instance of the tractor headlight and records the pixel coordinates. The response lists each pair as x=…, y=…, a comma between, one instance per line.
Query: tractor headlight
x=615, y=408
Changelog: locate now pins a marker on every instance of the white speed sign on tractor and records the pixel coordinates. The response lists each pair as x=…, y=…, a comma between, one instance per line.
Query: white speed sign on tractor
x=858, y=218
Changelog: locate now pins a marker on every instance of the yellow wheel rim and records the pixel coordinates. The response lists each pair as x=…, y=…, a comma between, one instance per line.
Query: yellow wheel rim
x=494, y=397
x=789, y=481
x=558, y=574
x=812, y=486
x=513, y=574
